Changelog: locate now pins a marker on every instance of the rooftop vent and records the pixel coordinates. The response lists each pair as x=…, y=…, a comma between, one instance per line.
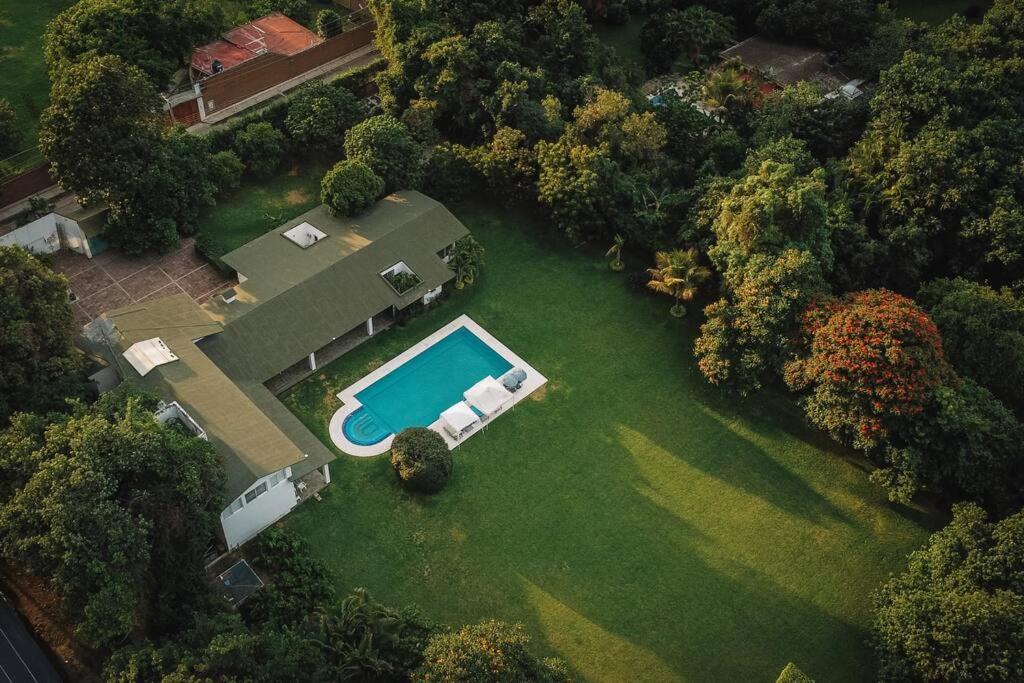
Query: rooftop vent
x=148, y=354
x=229, y=295
x=305, y=235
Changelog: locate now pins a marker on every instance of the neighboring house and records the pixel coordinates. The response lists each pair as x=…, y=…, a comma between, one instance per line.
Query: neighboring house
x=311, y=287
x=267, y=55
x=785, y=64
x=78, y=231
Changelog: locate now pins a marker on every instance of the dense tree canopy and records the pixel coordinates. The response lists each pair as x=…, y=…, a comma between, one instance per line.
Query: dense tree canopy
x=116, y=508
x=39, y=365
x=318, y=116
x=101, y=127
x=831, y=24
x=957, y=612
x=383, y=143
x=489, y=651
x=683, y=32
x=10, y=135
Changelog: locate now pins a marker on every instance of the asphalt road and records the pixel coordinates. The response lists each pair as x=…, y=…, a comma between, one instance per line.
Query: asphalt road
x=21, y=659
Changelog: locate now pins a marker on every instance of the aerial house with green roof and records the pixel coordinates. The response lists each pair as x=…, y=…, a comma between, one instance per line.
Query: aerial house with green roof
x=302, y=288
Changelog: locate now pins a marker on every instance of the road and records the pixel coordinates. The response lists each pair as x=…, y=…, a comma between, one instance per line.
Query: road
x=21, y=658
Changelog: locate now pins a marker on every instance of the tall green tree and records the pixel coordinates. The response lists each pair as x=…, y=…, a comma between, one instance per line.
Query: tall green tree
x=318, y=116
x=101, y=127
x=383, y=143
x=831, y=24
x=116, y=509
x=957, y=612
x=687, y=32
x=39, y=365
x=10, y=135
x=679, y=274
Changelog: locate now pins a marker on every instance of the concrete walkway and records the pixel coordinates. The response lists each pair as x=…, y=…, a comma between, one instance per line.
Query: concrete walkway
x=353, y=60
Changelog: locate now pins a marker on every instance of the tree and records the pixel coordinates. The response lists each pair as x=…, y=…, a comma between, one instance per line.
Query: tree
x=957, y=612
x=152, y=35
x=226, y=171
x=873, y=362
x=489, y=651
x=296, y=9
x=260, y=146
x=614, y=253
x=350, y=187
x=10, y=136
x=39, y=365
x=677, y=273
x=749, y=335
x=832, y=24
x=729, y=92
x=421, y=459
x=173, y=190
x=889, y=38
x=508, y=164
x=792, y=674
x=466, y=259
x=829, y=126
x=687, y=32
x=383, y=143
x=329, y=23
x=319, y=114
x=116, y=508
x=101, y=127
x=982, y=333
x=562, y=38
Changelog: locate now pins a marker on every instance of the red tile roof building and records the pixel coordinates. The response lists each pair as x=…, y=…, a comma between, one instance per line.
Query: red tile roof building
x=274, y=33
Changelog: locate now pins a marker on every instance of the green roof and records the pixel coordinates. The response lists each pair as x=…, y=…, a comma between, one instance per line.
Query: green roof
x=250, y=440
x=295, y=300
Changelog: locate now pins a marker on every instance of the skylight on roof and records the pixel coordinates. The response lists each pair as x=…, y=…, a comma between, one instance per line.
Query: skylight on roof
x=304, y=235
x=148, y=354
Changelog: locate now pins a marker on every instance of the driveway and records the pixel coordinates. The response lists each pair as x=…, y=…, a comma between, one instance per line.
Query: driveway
x=21, y=658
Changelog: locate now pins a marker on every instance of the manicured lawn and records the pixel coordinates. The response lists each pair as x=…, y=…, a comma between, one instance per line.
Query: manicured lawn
x=24, y=81
x=260, y=205
x=639, y=523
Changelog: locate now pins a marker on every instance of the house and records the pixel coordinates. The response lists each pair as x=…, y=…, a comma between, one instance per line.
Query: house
x=784, y=64
x=272, y=34
x=307, y=291
x=78, y=230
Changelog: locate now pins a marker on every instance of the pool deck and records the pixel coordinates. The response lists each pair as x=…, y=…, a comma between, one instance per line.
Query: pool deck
x=534, y=380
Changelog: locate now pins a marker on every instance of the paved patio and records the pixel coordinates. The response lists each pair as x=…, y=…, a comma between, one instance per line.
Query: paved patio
x=112, y=279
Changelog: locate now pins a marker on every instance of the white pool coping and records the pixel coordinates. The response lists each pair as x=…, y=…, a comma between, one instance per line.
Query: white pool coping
x=534, y=380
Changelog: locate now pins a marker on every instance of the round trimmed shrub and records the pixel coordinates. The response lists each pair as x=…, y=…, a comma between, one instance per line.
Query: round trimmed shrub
x=226, y=171
x=260, y=146
x=319, y=114
x=421, y=460
x=350, y=187
x=328, y=23
x=385, y=145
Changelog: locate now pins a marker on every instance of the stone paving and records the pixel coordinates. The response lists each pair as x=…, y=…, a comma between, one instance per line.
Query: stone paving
x=112, y=279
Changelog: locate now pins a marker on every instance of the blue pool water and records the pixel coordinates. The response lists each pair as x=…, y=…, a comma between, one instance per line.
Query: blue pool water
x=416, y=393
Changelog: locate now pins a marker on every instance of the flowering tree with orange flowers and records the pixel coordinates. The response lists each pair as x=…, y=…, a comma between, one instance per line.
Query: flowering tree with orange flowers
x=874, y=360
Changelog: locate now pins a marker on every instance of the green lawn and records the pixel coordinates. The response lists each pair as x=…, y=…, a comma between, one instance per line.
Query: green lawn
x=638, y=522
x=625, y=38
x=261, y=205
x=23, y=77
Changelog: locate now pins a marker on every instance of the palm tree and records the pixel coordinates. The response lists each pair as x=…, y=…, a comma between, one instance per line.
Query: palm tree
x=615, y=254
x=677, y=273
x=727, y=88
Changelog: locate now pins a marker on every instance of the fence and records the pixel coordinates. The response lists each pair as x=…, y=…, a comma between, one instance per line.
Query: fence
x=24, y=184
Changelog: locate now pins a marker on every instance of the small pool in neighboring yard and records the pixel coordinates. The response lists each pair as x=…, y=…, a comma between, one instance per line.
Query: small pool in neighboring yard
x=415, y=393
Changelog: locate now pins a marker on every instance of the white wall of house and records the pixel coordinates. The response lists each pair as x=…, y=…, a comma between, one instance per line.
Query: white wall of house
x=265, y=502
x=42, y=236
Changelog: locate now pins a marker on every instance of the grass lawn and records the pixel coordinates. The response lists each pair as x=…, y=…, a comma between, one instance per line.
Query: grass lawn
x=638, y=522
x=260, y=205
x=24, y=81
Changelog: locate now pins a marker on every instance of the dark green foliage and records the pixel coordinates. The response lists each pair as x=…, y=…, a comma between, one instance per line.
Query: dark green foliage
x=488, y=651
x=792, y=674
x=296, y=9
x=318, y=116
x=260, y=146
x=298, y=585
x=117, y=509
x=101, y=127
x=10, y=134
x=39, y=365
x=421, y=460
x=828, y=126
x=466, y=259
x=890, y=36
x=957, y=612
x=982, y=333
x=383, y=143
x=831, y=24
x=226, y=171
x=329, y=23
x=153, y=35
x=687, y=32
x=175, y=187
x=562, y=37
x=350, y=187
x=450, y=173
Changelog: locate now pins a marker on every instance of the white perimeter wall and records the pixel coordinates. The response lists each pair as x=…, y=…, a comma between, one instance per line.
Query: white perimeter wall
x=41, y=236
x=256, y=516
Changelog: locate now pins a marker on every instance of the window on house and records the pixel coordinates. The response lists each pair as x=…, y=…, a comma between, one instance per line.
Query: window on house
x=235, y=506
x=252, y=495
x=277, y=477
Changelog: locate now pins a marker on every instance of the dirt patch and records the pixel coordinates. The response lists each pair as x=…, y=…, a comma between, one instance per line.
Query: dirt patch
x=296, y=197
x=541, y=392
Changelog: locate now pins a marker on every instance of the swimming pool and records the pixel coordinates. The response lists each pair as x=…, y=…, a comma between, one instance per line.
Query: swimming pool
x=416, y=393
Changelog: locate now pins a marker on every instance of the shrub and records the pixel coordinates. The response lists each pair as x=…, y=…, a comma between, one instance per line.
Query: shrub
x=299, y=585
x=226, y=171
x=384, y=144
x=792, y=674
x=421, y=460
x=296, y=9
x=489, y=651
x=260, y=147
x=350, y=187
x=328, y=23
x=319, y=114
x=450, y=172
x=466, y=259
x=10, y=136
